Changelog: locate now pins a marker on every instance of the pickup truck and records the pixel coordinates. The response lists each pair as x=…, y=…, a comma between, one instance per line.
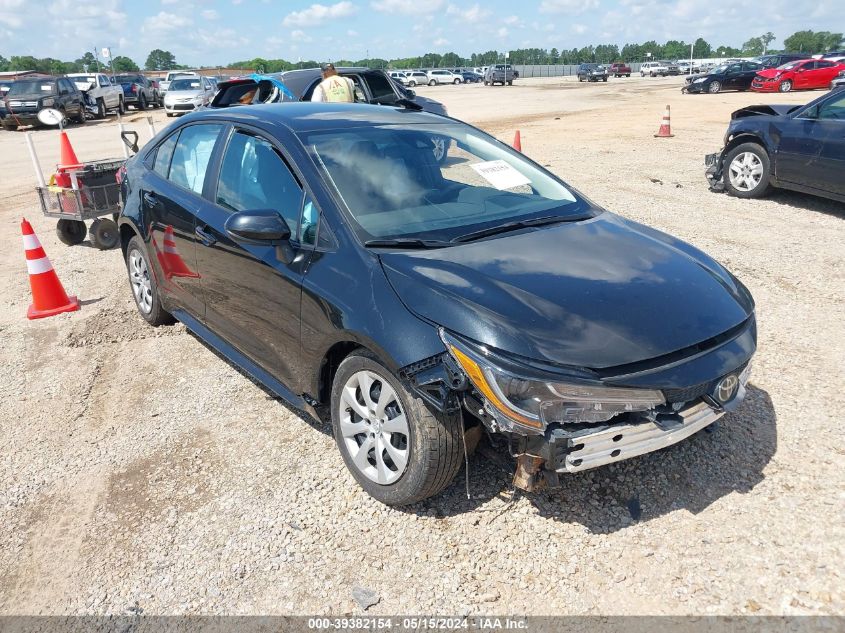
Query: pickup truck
x=138, y=91
x=499, y=74
x=101, y=90
x=653, y=69
x=174, y=74
x=619, y=69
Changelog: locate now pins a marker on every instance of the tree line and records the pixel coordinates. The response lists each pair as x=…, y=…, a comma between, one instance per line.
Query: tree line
x=800, y=41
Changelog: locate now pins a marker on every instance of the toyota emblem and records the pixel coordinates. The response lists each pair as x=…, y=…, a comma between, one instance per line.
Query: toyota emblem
x=726, y=389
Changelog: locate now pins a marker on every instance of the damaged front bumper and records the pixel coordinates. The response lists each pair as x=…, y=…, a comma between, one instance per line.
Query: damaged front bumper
x=714, y=171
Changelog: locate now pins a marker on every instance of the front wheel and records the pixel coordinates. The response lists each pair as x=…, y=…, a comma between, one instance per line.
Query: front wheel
x=412, y=83
x=432, y=83
x=143, y=283
x=785, y=86
x=101, y=109
x=456, y=82
x=714, y=87
x=397, y=449
x=747, y=171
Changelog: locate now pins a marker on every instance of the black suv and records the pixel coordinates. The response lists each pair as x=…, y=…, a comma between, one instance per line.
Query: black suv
x=27, y=97
x=323, y=250
x=773, y=61
x=592, y=72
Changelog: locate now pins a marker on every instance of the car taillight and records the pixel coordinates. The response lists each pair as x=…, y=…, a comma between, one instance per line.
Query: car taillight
x=134, y=88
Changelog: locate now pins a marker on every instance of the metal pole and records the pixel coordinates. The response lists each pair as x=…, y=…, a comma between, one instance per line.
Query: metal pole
x=151, y=127
x=39, y=175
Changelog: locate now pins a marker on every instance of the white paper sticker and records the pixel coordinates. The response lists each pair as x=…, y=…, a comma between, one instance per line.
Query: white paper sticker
x=499, y=174
x=46, y=87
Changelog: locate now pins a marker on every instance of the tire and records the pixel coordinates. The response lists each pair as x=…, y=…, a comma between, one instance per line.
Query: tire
x=628, y=75
x=121, y=106
x=486, y=83
x=430, y=443
x=142, y=102
x=739, y=179
x=785, y=86
x=432, y=83
x=143, y=285
x=412, y=84
x=104, y=234
x=169, y=114
x=604, y=79
x=714, y=88
x=510, y=83
x=101, y=109
x=580, y=79
x=456, y=82
x=71, y=232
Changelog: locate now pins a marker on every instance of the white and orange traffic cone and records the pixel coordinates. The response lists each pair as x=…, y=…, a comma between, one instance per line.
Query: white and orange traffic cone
x=48, y=296
x=171, y=262
x=517, y=141
x=67, y=161
x=665, y=130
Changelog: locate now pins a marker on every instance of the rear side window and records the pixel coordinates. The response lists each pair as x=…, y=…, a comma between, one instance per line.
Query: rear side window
x=192, y=154
x=254, y=176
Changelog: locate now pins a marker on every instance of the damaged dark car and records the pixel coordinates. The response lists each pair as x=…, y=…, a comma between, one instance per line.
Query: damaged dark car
x=801, y=148
x=322, y=249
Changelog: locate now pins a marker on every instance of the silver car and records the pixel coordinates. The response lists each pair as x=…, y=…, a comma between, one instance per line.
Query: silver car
x=442, y=76
x=186, y=94
x=416, y=78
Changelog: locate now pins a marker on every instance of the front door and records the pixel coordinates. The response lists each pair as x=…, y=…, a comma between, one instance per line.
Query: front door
x=252, y=297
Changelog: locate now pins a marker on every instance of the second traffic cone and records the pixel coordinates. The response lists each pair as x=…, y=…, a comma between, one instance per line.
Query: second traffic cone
x=173, y=265
x=665, y=130
x=67, y=157
x=517, y=141
x=48, y=295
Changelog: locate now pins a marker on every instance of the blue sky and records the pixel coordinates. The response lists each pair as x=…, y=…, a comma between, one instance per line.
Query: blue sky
x=209, y=32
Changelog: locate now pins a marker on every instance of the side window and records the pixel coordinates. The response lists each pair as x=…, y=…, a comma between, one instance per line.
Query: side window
x=380, y=87
x=308, y=223
x=734, y=68
x=104, y=81
x=823, y=64
x=833, y=109
x=191, y=156
x=254, y=176
x=164, y=154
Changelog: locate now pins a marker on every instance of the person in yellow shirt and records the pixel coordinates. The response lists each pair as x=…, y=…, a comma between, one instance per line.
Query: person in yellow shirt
x=334, y=88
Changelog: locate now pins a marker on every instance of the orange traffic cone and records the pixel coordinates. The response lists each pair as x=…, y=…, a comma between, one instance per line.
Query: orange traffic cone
x=517, y=141
x=665, y=130
x=171, y=262
x=48, y=295
x=67, y=161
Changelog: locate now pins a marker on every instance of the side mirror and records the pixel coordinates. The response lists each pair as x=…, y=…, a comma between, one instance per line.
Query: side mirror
x=412, y=93
x=262, y=226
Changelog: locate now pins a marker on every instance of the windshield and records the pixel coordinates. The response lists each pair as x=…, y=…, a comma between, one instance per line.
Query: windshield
x=393, y=186
x=32, y=86
x=718, y=70
x=87, y=79
x=125, y=79
x=185, y=84
x=789, y=65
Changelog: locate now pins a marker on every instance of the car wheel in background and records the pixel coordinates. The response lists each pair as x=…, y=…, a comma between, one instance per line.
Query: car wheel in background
x=121, y=106
x=604, y=79
x=104, y=234
x=432, y=83
x=412, y=83
x=80, y=118
x=747, y=171
x=101, y=109
x=142, y=102
x=714, y=87
x=456, y=82
x=71, y=232
x=143, y=284
x=397, y=450
x=785, y=86
x=169, y=114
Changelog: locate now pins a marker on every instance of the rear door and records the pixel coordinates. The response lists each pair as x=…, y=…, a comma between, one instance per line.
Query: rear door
x=252, y=297
x=171, y=195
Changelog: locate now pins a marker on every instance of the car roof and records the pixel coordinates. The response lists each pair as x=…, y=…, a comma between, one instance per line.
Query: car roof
x=306, y=116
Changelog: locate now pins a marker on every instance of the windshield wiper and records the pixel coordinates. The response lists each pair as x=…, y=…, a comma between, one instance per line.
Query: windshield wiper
x=406, y=242
x=519, y=224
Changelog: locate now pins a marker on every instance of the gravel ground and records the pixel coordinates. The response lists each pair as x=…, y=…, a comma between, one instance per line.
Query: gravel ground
x=139, y=471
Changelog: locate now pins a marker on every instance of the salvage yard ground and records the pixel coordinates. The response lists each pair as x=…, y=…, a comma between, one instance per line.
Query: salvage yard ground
x=139, y=471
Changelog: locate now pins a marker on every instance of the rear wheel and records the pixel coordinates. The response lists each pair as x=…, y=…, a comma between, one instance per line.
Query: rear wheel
x=71, y=232
x=714, y=87
x=747, y=171
x=101, y=109
x=432, y=83
x=398, y=450
x=785, y=86
x=412, y=83
x=456, y=82
x=121, y=106
x=143, y=283
x=142, y=102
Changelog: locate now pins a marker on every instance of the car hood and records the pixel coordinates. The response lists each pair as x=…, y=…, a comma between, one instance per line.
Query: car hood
x=763, y=110
x=596, y=293
x=770, y=73
x=28, y=96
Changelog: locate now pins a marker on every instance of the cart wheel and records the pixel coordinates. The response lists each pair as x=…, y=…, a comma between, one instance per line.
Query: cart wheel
x=104, y=234
x=71, y=232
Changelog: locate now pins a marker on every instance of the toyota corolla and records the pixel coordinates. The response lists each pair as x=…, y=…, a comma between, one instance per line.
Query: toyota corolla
x=325, y=251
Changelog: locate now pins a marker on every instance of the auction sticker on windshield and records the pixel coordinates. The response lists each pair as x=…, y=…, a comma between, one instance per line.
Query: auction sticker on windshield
x=499, y=174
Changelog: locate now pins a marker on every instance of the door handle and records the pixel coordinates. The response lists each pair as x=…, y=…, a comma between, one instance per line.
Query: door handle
x=206, y=238
x=150, y=199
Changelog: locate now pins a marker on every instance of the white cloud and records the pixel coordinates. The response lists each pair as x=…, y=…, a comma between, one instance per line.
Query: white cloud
x=164, y=22
x=407, y=7
x=210, y=14
x=169, y=1
x=502, y=32
x=441, y=41
x=471, y=14
x=317, y=13
x=512, y=20
x=567, y=6
x=78, y=21
x=299, y=36
x=237, y=2
x=352, y=33
x=579, y=29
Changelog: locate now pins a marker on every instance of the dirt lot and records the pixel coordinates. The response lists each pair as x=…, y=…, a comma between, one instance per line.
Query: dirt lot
x=140, y=471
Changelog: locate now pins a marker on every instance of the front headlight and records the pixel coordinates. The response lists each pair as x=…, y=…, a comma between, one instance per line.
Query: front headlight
x=533, y=404
x=699, y=80
x=47, y=102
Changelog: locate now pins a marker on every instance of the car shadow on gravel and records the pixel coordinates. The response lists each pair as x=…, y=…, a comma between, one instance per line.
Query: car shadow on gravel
x=728, y=456
x=807, y=201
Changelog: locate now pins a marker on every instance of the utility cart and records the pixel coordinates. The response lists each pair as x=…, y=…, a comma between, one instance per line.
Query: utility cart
x=93, y=194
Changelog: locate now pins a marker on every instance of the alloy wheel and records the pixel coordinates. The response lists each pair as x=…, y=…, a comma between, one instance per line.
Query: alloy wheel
x=714, y=87
x=374, y=427
x=139, y=276
x=786, y=86
x=746, y=171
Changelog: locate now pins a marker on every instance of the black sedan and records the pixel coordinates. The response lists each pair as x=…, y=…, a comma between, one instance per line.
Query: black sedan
x=323, y=250
x=733, y=76
x=791, y=147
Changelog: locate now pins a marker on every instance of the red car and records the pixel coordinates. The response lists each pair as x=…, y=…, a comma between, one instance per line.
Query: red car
x=804, y=74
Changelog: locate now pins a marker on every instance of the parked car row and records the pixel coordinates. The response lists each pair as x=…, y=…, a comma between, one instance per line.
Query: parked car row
x=801, y=74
